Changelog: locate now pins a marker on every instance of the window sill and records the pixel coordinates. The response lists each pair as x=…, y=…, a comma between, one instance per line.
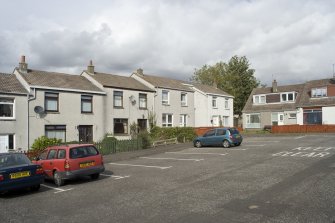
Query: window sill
x=143, y=108
x=7, y=119
x=118, y=107
x=166, y=104
x=52, y=112
x=87, y=113
x=184, y=105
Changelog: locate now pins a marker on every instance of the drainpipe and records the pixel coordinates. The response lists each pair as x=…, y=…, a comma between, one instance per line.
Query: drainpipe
x=28, y=117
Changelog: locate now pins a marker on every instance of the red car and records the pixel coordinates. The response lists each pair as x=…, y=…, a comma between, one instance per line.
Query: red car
x=71, y=161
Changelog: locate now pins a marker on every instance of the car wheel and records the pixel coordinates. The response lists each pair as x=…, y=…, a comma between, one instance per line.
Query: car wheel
x=95, y=176
x=198, y=144
x=35, y=188
x=58, y=179
x=226, y=144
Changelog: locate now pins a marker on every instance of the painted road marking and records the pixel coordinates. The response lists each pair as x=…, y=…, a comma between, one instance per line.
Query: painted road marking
x=113, y=176
x=306, y=152
x=299, y=137
x=125, y=164
x=261, y=141
x=256, y=145
x=159, y=158
x=220, y=154
x=58, y=190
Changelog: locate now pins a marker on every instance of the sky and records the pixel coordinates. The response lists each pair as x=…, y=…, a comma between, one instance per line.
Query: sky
x=292, y=41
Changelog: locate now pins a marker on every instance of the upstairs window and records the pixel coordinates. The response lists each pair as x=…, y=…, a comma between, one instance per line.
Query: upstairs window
x=143, y=101
x=183, y=98
x=6, y=108
x=287, y=97
x=319, y=92
x=86, y=104
x=259, y=99
x=226, y=103
x=118, y=99
x=165, y=97
x=51, y=102
x=214, y=102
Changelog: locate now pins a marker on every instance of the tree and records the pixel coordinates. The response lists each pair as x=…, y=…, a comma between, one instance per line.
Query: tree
x=235, y=77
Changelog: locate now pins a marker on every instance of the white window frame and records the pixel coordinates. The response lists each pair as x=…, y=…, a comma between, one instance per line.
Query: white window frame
x=166, y=99
x=259, y=99
x=118, y=99
x=250, y=124
x=165, y=120
x=292, y=117
x=214, y=101
x=286, y=97
x=319, y=92
x=9, y=102
x=226, y=103
x=225, y=121
x=215, y=120
x=143, y=101
x=183, y=99
x=183, y=120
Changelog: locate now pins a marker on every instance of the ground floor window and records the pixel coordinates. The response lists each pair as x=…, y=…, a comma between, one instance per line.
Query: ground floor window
x=312, y=116
x=182, y=120
x=253, y=120
x=120, y=126
x=6, y=142
x=167, y=120
x=56, y=131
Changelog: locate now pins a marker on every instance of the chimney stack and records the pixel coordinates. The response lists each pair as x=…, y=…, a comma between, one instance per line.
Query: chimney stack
x=23, y=66
x=90, y=68
x=139, y=71
x=274, y=86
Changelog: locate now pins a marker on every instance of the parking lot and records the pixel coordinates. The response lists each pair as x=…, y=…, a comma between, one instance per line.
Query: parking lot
x=266, y=179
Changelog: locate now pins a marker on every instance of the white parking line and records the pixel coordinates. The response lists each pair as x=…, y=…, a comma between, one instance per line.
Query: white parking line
x=157, y=158
x=260, y=141
x=158, y=167
x=256, y=145
x=58, y=190
x=113, y=176
x=220, y=154
x=299, y=137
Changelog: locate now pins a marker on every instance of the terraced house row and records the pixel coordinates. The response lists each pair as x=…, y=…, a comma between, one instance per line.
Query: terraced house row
x=86, y=106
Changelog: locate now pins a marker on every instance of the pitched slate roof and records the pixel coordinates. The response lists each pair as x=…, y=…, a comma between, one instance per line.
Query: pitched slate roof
x=47, y=79
x=250, y=107
x=168, y=83
x=10, y=84
x=307, y=101
x=116, y=81
x=210, y=89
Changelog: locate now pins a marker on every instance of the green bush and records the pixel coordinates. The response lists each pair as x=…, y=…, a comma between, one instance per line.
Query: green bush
x=183, y=134
x=145, y=138
x=43, y=142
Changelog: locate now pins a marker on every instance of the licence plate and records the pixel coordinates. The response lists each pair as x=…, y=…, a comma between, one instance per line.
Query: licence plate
x=88, y=164
x=19, y=174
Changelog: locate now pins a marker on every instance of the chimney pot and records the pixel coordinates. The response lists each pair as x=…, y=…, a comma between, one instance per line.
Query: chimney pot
x=90, y=68
x=139, y=71
x=274, y=86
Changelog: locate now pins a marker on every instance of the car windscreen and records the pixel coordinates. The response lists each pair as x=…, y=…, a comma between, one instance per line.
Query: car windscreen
x=10, y=160
x=234, y=131
x=84, y=151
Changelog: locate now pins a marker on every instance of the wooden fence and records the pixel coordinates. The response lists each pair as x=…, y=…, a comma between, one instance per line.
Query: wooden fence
x=302, y=128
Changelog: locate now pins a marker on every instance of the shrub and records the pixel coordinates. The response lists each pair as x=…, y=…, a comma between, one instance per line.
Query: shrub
x=183, y=134
x=145, y=138
x=43, y=142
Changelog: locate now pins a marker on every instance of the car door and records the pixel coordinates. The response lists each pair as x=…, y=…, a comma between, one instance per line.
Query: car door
x=47, y=163
x=208, y=138
x=219, y=136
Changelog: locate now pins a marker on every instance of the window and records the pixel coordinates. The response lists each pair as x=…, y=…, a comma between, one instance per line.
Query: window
x=167, y=120
x=182, y=120
x=61, y=154
x=51, y=102
x=165, y=97
x=209, y=133
x=6, y=108
x=292, y=115
x=313, y=116
x=253, y=120
x=226, y=103
x=56, y=131
x=274, y=118
x=6, y=142
x=52, y=154
x=287, y=97
x=259, y=99
x=118, y=99
x=86, y=104
x=319, y=92
x=143, y=101
x=183, y=99
x=120, y=126
x=220, y=132
x=214, y=103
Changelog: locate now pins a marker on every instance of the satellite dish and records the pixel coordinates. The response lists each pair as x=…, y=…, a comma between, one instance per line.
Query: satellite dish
x=38, y=109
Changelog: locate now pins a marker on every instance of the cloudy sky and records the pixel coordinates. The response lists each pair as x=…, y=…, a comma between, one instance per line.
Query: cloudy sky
x=289, y=40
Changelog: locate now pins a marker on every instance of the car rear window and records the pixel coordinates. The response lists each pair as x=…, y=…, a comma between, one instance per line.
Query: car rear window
x=234, y=131
x=84, y=151
x=9, y=160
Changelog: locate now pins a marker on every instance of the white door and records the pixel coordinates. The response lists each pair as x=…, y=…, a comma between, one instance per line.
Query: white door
x=280, y=118
x=3, y=144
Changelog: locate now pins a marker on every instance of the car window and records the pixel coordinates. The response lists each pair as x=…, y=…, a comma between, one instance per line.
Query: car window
x=43, y=155
x=209, y=133
x=61, y=154
x=84, y=151
x=234, y=131
x=9, y=160
x=221, y=132
x=91, y=150
x=52, y=154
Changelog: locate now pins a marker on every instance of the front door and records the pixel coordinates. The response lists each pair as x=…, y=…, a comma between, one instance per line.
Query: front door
x=4, y=144
x=280, y=118
x=85, y=133
x=142, y=124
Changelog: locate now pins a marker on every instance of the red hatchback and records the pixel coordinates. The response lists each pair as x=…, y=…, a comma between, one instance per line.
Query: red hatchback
x=71, y=161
